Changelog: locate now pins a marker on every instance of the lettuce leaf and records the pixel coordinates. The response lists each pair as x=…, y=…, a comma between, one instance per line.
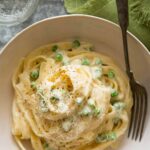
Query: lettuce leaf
x=139, y=14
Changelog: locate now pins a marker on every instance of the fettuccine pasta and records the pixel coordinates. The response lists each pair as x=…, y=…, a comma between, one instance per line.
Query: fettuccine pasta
x=68, y=97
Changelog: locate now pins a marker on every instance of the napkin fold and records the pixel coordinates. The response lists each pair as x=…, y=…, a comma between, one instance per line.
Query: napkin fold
x=139, y=14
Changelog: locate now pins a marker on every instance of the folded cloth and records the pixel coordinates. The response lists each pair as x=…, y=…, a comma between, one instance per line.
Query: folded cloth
x=139, y=14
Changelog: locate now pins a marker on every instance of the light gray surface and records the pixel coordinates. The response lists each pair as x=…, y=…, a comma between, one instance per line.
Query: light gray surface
x=46, y=8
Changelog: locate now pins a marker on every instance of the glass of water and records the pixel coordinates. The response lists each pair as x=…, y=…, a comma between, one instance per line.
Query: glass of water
x=13, y=12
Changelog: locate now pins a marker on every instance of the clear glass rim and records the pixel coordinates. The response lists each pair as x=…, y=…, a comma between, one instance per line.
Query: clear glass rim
x=10, y=20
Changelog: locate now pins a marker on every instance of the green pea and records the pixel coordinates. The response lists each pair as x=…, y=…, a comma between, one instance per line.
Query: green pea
x=58, y=57
x=54, y=48
x=85, y=112
x=45, y=145
x=85, y=61
x=33, y=85
x=76, y=44
x=114, y=94
x=34, y=74
x=54, y=99
x=111, y=74
x=98, y=61
x=119, y=105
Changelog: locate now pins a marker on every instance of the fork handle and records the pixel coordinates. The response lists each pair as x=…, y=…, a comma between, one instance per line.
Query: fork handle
x=122, y=8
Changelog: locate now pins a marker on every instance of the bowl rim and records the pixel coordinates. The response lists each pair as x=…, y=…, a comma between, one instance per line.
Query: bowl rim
x=70, y=16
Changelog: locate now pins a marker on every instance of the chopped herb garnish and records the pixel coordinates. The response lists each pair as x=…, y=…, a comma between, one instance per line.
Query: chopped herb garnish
x=98, y=61
x=40, y=92
x=54, y=99
x=34, y=74
x=96, y=111
x=106, y=137
x=119, y=105
x=43, y=106
x=45, y=145
x=54, y=48
x=76, y=44
x=85, y=61
x=114, y=94
x=33, y=85
x=58, y=57
x=111, y=74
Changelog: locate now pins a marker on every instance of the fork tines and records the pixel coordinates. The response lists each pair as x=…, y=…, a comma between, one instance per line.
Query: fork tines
x=139, y=110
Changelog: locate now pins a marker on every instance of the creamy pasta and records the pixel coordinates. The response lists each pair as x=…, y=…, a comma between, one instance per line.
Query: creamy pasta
x=68, y=97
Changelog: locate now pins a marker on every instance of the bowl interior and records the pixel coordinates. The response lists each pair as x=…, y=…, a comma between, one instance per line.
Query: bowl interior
x=106, y=37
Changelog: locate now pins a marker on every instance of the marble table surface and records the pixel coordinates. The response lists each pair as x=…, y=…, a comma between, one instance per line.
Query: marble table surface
x=45, y=9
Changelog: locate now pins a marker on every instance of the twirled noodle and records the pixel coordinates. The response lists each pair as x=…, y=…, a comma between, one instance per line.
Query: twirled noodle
x=68, y=97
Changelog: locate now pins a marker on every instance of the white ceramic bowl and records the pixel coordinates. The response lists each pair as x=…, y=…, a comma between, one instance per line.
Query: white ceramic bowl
x=106, y=37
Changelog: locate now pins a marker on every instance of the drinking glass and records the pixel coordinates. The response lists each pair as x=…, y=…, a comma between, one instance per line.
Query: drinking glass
x=13, y=12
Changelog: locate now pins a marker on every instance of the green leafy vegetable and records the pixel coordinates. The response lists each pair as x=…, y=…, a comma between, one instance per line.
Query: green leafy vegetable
x=105, y=137
x=139, y=14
